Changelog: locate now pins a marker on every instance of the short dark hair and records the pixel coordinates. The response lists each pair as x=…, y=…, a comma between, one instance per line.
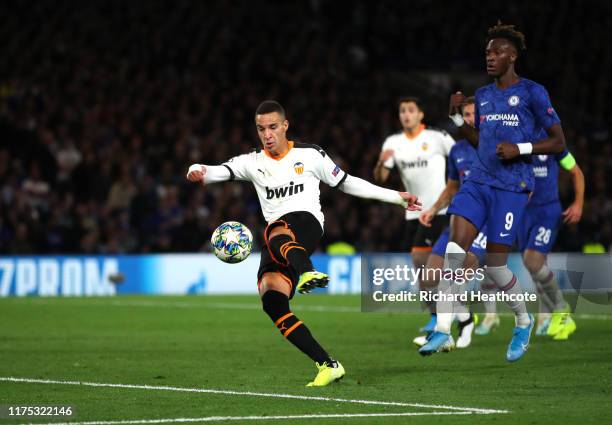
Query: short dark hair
x=507, y=32
x=270, y=106
x=468, y=101
x=410, y=99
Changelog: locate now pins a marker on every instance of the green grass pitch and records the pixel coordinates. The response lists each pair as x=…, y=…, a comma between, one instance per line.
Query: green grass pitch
x=228, y=344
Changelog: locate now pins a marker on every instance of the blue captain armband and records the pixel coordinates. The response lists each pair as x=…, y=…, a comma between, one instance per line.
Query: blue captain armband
x=568, y=162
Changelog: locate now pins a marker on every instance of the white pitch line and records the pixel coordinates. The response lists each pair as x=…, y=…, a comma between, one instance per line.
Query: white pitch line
x=257, y=306
x=252, y=394
x=253, y=418
x=219, y=305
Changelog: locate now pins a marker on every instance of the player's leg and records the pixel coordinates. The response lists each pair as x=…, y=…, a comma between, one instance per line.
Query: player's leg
x=287, y=250
x=466, y=320
x=456, y=253
x=504, y=216
x=467, y=215
x=428, y=285
x=428, y=282
x=545, y=285
x=277, y=285
x=526, y=239
x=486, y=286
x=275, y=290
x=540, y=242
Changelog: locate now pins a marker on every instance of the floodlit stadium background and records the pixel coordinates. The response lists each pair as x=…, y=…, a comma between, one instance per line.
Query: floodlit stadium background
x=103, y=106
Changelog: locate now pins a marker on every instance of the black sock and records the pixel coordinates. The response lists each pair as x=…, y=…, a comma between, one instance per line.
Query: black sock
x=288, y=252
x=276, y=305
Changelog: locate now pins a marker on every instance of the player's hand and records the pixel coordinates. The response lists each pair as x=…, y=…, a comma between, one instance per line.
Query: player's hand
x=426, y=217
x=507, y=151
x=413, y=203
x=572, y=214
x=456, y=100
x=196, y=173
x=385, y=155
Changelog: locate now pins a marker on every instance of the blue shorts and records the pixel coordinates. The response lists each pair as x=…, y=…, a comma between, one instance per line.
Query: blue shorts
x=478, y=248
x=501, y=210
x=539, y=227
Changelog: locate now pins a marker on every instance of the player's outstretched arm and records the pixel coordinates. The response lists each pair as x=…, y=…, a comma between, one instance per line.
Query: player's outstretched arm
x=364, y=189
x=208, y=173
x=443, y=201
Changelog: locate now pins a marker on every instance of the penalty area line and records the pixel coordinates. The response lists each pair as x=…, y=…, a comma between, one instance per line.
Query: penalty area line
x=250, y=394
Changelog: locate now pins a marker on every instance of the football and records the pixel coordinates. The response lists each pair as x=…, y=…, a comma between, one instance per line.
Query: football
x=232, y=242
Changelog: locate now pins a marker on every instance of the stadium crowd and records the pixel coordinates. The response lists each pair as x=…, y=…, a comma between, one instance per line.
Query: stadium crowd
x=103, y=105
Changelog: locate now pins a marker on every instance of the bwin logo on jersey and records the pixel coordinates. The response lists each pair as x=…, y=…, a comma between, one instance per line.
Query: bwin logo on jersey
x=414, y=164
x=281, y=192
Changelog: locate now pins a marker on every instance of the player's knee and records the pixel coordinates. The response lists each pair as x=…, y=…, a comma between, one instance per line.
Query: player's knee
x=541, y=274
x=471, y=261
x=274, y=282
x=454, y=255
x=533, y=262
x=502, y=276
x=419, y=258
x=432, y=272
x=430, y=278
x=280, y=229
x=275, y=304
x=454, y=248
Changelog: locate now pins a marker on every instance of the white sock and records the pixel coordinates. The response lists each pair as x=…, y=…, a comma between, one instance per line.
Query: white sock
x=508, y=283
x=490, y=289
x=453, y=260
x=462, y=313
x=546, y=280
x=545, y=305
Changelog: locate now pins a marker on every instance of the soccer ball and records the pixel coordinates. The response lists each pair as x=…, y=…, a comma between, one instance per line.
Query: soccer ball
x=232, y=242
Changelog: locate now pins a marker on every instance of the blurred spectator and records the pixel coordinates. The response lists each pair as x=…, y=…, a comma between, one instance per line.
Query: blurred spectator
x=104, y=105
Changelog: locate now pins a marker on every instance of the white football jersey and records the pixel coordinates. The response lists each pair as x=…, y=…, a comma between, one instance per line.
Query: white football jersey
x=421, y=162
x=289, y=183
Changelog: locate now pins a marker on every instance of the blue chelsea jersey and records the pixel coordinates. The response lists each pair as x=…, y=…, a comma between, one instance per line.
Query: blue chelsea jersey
x=518, y=114
x=546, y=171
x=460, y=160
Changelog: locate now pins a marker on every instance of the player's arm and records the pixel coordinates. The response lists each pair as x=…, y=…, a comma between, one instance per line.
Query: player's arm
x=573, y=213
x=443, y=201
x=470, y=133
x=234, y=169
x=384, y=164
x=545, y=117
x=381, y=173
x=208, y=173
x=364, y=189
x=553, y=144
x=331, y=174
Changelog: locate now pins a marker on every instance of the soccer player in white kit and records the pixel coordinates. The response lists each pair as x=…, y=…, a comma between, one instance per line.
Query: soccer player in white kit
x=419, y=153
x=286, y=176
